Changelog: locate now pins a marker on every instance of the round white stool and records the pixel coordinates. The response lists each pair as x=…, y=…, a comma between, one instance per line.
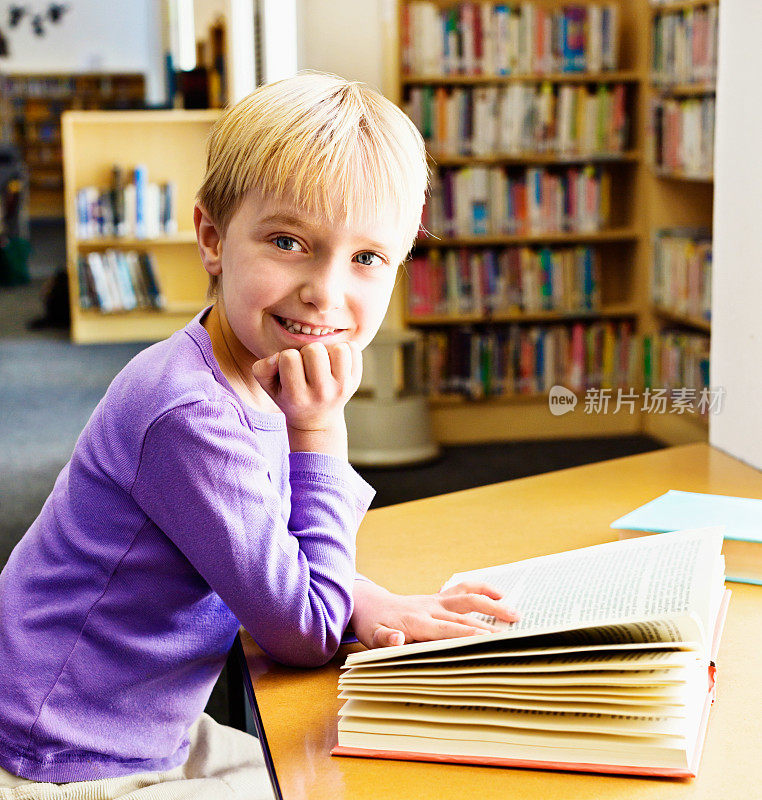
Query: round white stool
x=387, y=426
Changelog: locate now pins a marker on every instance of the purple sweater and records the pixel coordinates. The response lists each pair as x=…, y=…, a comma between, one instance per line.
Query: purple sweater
x=180, y=516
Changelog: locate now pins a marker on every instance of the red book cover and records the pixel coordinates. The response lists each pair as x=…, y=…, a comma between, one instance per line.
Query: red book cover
x=520, y=204
x=478, y=41
x=538, y=58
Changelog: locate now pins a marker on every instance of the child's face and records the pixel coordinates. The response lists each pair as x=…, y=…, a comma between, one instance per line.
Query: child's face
x=283, y=270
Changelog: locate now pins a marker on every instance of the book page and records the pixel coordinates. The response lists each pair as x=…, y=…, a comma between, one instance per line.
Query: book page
x=594, y=707
x=662, y=588
x=585, y=724
x=485, y=740
x=635, y=660
x=651, y=677
x=479, y=653
x=669, y=573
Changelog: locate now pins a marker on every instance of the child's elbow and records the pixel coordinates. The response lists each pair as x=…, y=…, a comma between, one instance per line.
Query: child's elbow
x=312, y=651
x=318, y=637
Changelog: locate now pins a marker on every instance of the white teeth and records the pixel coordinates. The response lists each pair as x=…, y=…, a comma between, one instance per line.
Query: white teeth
x=297, y=327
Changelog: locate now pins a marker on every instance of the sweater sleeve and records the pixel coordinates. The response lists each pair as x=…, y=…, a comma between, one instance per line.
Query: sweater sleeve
x=202, y=481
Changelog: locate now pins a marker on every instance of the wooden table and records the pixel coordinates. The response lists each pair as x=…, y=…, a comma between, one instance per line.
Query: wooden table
x=414, y=547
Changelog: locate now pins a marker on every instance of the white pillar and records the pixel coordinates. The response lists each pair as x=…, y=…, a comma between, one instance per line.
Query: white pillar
x=736, y=350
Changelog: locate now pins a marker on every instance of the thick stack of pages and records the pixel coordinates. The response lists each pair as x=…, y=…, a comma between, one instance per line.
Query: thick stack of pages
x=610, y=669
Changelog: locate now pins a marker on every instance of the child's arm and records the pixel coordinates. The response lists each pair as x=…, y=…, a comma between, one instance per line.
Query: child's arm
x=381, y=618
x=204, y=483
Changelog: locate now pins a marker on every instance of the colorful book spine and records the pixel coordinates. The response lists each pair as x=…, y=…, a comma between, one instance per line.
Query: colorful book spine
x=511, y=280
x=682, y=135
x=528, y=360
x=682, y=272
x=478, y=201
x=137, y=209
x=141, y=189
x=116, y=280
x=680, y=362
x=499, y=39
x=684, y=45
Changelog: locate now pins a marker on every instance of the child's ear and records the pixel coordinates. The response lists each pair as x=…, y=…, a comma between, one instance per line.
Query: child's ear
x=209, y=240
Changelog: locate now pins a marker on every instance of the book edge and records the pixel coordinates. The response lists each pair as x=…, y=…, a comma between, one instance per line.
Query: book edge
x=612, y=769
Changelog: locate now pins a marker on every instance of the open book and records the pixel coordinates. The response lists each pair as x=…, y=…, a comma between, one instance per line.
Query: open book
x=610, y=668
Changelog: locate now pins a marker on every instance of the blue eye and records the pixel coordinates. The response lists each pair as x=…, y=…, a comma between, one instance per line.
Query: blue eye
x=369, y=262
x=287, y=243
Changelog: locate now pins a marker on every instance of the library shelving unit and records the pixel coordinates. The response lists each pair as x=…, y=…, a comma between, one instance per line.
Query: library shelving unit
x=619, y=245
x=171, y=146
x=678, y=198
x=32, y=108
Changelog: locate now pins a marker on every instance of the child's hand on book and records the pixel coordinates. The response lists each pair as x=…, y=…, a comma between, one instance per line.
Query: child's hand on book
x=383, y=619
x=311, y=386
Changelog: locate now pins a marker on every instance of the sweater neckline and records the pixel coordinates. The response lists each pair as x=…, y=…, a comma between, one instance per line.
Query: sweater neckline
x=200, y=335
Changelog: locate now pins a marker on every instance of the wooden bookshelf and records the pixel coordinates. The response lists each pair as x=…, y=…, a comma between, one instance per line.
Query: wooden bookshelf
x=681, y=5
x=534, y=159
x=684, y=89
x=620, y=244
x=171, y=144
x=33, y=108
x=604, y=312
x=618, y=76
x=684, y=320
x=676, y=175
x=552, y=237
x=674, y=199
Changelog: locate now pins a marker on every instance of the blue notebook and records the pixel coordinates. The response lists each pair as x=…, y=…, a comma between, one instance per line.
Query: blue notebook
x=741, y=516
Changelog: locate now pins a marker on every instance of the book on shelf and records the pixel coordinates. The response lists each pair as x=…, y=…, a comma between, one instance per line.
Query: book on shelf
x=482, y=201
x=740, y=517
x=610, y=668
x=141, y=209
x=678, y=362
x=682, y=135
x=520, y=119
x=682, y=275
x=118, y=280
x=527, y=360
x=684, y=45
x=508, y=280
x=508, y=39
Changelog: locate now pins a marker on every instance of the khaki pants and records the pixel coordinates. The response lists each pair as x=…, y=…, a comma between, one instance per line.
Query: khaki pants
x=223, y=764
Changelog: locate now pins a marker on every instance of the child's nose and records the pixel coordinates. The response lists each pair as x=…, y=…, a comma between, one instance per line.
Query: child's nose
x=324, y=288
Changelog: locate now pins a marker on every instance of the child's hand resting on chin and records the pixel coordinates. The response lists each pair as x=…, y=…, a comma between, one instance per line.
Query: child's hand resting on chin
x=311, y=386
x=383, y=619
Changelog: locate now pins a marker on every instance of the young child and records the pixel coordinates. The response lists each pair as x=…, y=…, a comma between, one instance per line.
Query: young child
x=210, y=488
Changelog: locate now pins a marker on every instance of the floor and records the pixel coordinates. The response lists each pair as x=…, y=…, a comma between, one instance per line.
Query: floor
x=49, y=387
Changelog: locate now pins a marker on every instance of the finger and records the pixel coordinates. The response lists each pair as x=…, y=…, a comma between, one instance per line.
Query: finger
x=356, y=364
x=291, y=373
x=466, y=603
x=387, y=637
x=341, y=364
x=445, y=629
x=474, y=587
x=265, y=371
x=317, y=367
x=473, y=622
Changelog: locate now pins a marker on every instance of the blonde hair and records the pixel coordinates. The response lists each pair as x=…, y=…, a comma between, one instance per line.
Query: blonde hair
x=331, y=147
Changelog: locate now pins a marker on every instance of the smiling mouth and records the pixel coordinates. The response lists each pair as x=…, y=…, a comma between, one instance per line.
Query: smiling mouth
x=307, y=330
